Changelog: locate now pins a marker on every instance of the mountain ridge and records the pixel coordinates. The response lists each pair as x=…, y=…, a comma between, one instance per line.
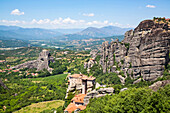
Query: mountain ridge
x=16, y=32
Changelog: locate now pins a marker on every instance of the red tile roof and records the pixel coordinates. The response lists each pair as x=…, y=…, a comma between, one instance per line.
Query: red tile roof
x=81, y=107
x=72, y=107
x=79, y=98
x=84, y=77
x=76, y=75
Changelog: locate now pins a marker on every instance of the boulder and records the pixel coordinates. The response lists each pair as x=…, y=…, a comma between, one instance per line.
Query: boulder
x=123, y=89
x=159, y=84
x=137, y=81
x=122, y=79
x=97, y=85
x=96, y=94
x=109, y=90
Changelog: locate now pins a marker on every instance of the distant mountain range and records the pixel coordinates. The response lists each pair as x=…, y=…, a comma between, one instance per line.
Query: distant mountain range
x=104, y=31
x=92, y=32
x=15, y=32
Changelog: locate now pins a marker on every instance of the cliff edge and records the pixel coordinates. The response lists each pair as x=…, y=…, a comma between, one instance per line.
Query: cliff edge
x=144, y=52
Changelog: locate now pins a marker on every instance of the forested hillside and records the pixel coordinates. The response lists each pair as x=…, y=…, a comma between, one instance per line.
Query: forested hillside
x=132, y=100
x=23, y=92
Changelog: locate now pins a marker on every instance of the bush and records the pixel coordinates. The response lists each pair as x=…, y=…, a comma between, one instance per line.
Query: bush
x=60, y=109
x=133, y=100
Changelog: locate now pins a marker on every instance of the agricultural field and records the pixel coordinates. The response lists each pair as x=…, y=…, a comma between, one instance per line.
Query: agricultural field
x=41, y=106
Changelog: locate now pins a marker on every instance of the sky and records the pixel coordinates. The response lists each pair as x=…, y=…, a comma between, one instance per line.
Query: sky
x=64, y=14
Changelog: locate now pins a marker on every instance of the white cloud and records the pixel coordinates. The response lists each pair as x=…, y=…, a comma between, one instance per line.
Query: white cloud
x=33, y=21
x=44, y=21
x=106, y=22
x=88, y=14
x=17, y=12
x=151, y=6
x=57, y=21
x=61, y=23
x=81, y=21
x=12, y=22
x=69, y=21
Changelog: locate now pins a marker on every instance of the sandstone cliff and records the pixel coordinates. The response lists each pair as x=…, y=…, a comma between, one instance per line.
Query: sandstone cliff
x=41, y=63
x=144, y=52
x=91, y=62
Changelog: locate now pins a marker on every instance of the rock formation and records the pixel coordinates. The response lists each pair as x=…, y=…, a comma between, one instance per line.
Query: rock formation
x=41, y=63
x=159, y=84
x=98, y=93
x=144, y=52
x=43, y=60
x=93, y=53
x=91, y=62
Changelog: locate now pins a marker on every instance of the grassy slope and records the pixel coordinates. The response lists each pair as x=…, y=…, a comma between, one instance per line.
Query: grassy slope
x=41, y=106
x=50, y=79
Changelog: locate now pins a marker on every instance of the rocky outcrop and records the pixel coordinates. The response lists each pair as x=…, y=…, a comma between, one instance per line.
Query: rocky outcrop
x=91, y=62
x=29, y=64
x=93, y=53
x=98, y=93
x=43, y=60
x=122, y=79
x=41, y=63
x=159, y=84
x=144, y=52
x=137, y=81
x=123, y=89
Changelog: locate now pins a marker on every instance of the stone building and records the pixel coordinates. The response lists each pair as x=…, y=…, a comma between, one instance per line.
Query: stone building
x=81, y=83
x=76, y=105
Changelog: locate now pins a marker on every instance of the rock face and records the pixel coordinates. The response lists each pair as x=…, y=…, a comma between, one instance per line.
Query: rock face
x=91, y=62
x=43, y=60
x=41, y=63
x=98, y=93
x=93, y=53
x=144, y=52
x=159, y=84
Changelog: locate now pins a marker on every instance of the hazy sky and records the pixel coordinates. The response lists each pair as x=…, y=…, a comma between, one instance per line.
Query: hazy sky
x=80, y=13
